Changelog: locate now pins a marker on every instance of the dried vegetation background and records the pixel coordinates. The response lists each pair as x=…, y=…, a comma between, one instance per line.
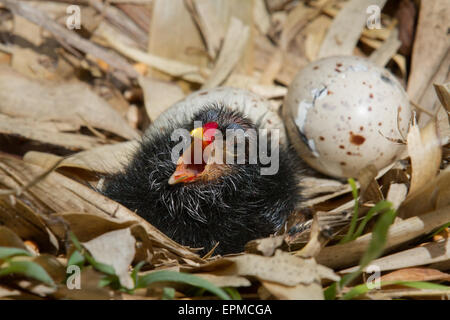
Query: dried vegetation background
x=72, y=103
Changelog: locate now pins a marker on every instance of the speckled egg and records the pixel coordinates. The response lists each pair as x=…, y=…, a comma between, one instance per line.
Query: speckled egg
x=344, y=113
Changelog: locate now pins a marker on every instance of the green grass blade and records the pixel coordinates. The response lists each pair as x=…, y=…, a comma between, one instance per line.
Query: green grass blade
x=27, y=268
x=363, y=288
x=6, y=252
x=440, y=229
x=172, y=276
x=134, y=273
x=233, y=293
x=168, y=294
x=376, y=245
x=379, y=238
x=76, y=259
x=330, y=293
x=105, y=268
x=378, y=208
x=348, y=236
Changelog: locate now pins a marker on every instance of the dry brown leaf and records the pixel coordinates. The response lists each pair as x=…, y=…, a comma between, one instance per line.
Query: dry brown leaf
x=397, y=194
x=266, y=246
x=233, y=47
x=171, y=67
x=419, y=256
x=32, y=64
x=117, y=249
x=416, y=274
x=9, y=293
x=295, y=269
x=430, y=54
x=410, y=292
x=348, y=254
x=159, y=95
x=315, y=33
x=261, y=17
x=397, y=58
x=311, y=291
x=70, y=196
x=85, y=226
x=295, y=21
x=345, y=30
x=433, y=195
x=183, y=35
x=424, y=148
x=443, y=93
x=33, y=130
x=385, y=52
x=85, y=106
x=104, y=159
x=28, y=225
x=9, y=239
x=225, y=281
x=369, y=188
x=211, y=27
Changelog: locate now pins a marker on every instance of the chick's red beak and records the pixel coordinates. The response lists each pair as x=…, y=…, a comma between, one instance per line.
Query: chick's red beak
x=190, y=168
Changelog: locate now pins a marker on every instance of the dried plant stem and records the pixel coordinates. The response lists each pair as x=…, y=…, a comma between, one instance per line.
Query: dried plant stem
x=348, y=254
x=69, y=37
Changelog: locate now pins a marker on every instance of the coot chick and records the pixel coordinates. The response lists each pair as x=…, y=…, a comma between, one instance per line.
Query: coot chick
x=207, y=202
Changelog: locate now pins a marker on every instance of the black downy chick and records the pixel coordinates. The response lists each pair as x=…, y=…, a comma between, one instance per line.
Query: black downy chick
x=198, y=205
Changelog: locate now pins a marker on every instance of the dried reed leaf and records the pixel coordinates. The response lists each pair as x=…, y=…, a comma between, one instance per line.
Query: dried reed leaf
x=416, y=274
x=232, y=50
x=104, y=159
x=27, y=224
x=225, y=281
x=85, y=106
x=295, y=21
x=424, y=148
x=397, y=194
x=435, y=194
x=260, y=16
x=159, y=95
x=387, y=50
x=397, y=58
x=85, y=226
x=211, y=27
x=171, y=67
x=443, y=126
x=295, y=269
x=182, y=38
x=369, y=188
x=9, y=238
x=32, y=130
x=265, y=246
x=345, y=30
x=344, y=255
x=443, y=93
x=431, y=46
x=419, y=256
x=311, y=291
x=410, y=292
x=315, y=33
x=69, y=196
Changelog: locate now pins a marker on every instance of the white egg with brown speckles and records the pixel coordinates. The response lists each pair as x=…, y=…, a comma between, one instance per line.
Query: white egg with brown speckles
x=344, y=113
